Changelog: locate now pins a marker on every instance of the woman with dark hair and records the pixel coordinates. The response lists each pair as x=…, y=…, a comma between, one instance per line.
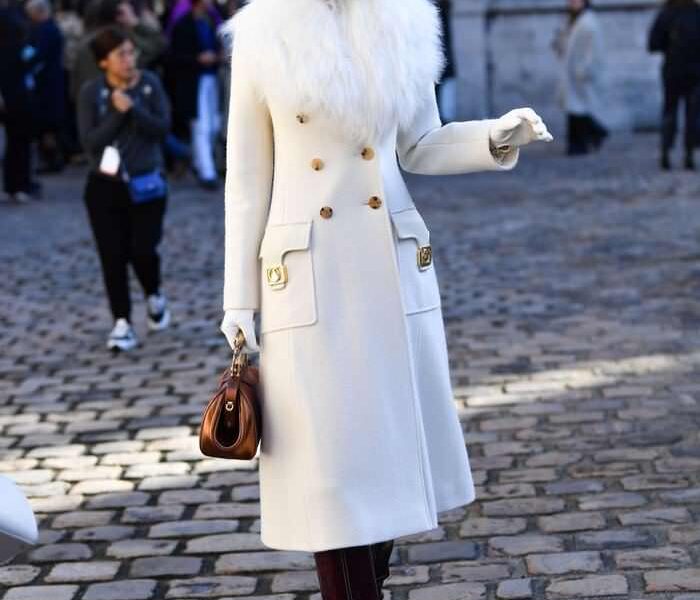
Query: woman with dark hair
x=676, y=33
x=362, y=442
x=581, y=48
x=123, y=118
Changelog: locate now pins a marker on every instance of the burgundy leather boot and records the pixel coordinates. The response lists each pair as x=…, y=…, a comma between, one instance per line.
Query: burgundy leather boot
x=381, y=552
x=347, y=574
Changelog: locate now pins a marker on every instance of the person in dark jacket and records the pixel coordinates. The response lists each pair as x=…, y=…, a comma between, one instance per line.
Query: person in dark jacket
x=47, y=38
x=676, y=33
x=17, y=91
x=195, y=55
x=123, y=117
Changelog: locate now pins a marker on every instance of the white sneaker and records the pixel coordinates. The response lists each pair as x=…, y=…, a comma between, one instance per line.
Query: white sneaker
x=20, y=198
x=122, y=337
x=158, y=312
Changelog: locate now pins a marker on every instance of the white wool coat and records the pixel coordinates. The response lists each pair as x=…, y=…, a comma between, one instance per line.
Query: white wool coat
x=361, y=441
x=582, y=81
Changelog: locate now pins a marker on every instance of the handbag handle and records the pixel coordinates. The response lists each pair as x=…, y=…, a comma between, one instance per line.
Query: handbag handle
x=240, y=359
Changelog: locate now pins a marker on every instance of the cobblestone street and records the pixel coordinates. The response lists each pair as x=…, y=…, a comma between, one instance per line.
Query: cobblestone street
x=571, y=292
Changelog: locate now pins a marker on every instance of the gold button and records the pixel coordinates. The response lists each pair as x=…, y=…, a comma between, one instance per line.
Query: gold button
x=317, y=164
x=367, y=153
x=326, y=212
x=302, y=118
x=375, y=202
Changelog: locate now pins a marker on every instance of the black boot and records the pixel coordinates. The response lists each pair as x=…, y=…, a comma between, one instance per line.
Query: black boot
x=665, y=161
x=347, y=574
x=689, y=161
x=381, y=553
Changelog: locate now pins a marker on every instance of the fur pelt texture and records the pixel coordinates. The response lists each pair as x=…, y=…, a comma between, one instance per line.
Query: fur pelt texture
x=365, y=64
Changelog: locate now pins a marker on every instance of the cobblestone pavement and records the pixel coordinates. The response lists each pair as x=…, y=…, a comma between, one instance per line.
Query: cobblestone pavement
x=571, y=293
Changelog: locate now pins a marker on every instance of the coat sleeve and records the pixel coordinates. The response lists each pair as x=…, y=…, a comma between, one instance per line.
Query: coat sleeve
x=428, y=147
x=249, y=159
x=659, y=34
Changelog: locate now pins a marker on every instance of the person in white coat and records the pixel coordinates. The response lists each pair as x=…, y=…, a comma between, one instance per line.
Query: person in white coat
x=361, y=439
x=582, y=50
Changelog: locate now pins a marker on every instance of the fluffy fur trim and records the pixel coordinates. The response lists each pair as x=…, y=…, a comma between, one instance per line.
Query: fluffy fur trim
x=365, y=64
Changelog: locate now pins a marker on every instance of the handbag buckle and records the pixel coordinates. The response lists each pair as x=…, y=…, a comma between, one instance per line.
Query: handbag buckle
x=229, y=406
x=277, y=276
x=425, y=257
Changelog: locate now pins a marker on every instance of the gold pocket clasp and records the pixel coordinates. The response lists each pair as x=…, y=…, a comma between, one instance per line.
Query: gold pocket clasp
x=425, y=257
x=277, y=276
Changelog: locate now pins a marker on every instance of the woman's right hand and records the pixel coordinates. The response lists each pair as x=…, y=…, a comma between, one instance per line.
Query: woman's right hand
x=242, y=319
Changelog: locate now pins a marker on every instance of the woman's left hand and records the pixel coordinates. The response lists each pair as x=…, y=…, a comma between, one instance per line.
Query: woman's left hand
x=519, y=127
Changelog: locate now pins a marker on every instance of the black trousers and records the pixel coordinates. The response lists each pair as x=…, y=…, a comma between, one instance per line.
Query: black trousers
x=125, y=233
x=353, y=573
x=584, y=133
x=17, y=159
x=676, y=90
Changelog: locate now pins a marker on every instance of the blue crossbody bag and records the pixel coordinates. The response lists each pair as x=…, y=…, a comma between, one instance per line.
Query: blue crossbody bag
x=146, y=187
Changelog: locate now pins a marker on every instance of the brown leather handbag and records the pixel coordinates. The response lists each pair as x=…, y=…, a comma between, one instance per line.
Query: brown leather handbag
x=232, y=424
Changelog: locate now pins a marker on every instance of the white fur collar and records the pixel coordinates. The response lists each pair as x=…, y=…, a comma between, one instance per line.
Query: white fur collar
x=364, y=63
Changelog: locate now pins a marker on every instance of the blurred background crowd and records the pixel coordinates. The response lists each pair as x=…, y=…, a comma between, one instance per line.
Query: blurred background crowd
x=46, y=58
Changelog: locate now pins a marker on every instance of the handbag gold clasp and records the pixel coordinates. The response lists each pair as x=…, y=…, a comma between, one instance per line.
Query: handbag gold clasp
x=425, y=257
x=277, y=276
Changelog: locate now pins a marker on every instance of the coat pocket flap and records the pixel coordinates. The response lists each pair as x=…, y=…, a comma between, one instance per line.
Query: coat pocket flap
x=283, y=238
x=409, y=224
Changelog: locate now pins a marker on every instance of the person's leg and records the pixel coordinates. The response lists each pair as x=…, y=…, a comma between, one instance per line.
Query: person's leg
x=690, y=97
x=201, y=131
x=17, y=161
x=669, y=120
x=109, y=218
x=381, y=553
x=576, y=135
x=347, y=574
x=146, y=231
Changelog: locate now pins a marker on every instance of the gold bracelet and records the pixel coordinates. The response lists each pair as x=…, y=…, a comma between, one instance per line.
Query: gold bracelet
x=499, y=152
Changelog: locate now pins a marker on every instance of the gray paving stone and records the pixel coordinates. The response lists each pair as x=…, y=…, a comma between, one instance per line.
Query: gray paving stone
x=135, y=548
x=471, y=571
x=165, y=565
x=441, y=551
x=405, y=575
x=515, y=589
x=591, y=586
x=211, y=587
x=132, y=589
x=519, y=545
x=242, y=562
x=191, y=528
x=82, y=571
x=60, y=552
x=43, y=592
x=658, y=516
x=653, y=558
x=153, y=514
x=563, y=563
x=295, y=581
x=666, y=580
x=523, y=506
x=108, y=533
x=451, y=591
x=18, y=575
x=620, y=538
x=571, y=521
x=84, y=518
x=483, y=527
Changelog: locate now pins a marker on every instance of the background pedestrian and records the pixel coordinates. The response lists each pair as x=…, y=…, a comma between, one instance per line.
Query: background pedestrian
x=123, y=118
x=676, y=33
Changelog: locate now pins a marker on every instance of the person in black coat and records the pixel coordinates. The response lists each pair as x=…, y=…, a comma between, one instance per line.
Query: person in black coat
x=676, y=33
x=17, y=91
x=195, y=55
x=47, y=38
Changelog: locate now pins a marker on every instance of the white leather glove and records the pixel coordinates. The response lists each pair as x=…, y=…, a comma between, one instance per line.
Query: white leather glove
x=240, y=319
x=519, y=127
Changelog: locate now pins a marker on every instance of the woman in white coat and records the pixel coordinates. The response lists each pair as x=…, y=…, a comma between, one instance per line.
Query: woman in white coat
x=361, y=440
